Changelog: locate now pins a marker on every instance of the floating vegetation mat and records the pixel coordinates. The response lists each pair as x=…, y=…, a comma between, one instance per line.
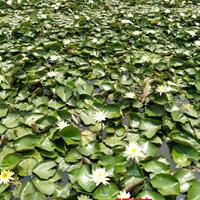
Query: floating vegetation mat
x=99, y=99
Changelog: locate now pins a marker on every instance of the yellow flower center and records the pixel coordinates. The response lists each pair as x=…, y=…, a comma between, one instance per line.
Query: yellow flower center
x=162, y=88
x=5, y=175
x=101, y=174
x=134, y=150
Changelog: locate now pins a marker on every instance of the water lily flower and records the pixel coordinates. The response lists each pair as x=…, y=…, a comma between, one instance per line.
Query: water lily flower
x=126, y=21
x=167, y=11
x=99, y=176
x=130, y=95
x=134, y=151
x=62, y=124
x=94, y=40
x=100, y=116
x=136, y=33
x=2, y=78
x=84, y=197
x=90, y=1
x=9, y=2
x=6, y=176
x=197, y=43
x=124, y=195
x=162, y=89
x=192, y=33
x=54, y=74
x=54, y=58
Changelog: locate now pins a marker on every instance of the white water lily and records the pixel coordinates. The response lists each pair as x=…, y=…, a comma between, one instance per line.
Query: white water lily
x=151, y=31
x=130, y=95
x=9, y=2
x=162, y=89
x=167, y=11
x=56, y=6
x=192, y=33
x=126, y=21
x=51, y=74
x=100, y=116
x=90, y=1
x=54, y=74
x=134, y=151
x=62, y=124
x=2, y=78
x=84, y=197
x=123, y=195
x=6, y=177
x=94, y=40
x=43, y=16
x=136, y=33
x=197, y=43
x=99, y=176
x=54, y=58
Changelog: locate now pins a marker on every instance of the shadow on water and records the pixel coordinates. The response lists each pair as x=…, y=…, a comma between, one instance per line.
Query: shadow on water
x=165, y=152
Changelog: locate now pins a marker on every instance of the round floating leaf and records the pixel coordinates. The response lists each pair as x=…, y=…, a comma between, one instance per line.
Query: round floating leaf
x=3, y=110
x=84, y=179
x=149, y=127
x=156, y=167
x=87, y=116
x=194, y=191
x=27, y=188
x=44, y=169
x=155, y=111
x=166, y=184
x=183, y=154
x=46, y=187
x=185, y=177
x=105, y=192
x=71, y=135
x=62, y=191
x=134, y=120
x=46, y=121
x=63, y=92
x=3, y=187
x=10, y=161
x=26, y=166
x=12, y=120
x=26, y=142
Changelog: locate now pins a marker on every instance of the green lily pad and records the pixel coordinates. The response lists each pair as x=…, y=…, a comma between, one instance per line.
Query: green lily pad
x=70, y=135
x=150, y=127
x=45, y=187
x=25, y=167
x=156, y=167
x=194, y=192
x=45, y=169
x=84, y=179
x=166, y=184
x=46, y=121
x=26, y=142
x=63, y=92
x=106, y=192
x=10, y=161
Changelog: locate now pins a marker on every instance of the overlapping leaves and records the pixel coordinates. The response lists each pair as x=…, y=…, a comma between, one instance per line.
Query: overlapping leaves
x=64, y=62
